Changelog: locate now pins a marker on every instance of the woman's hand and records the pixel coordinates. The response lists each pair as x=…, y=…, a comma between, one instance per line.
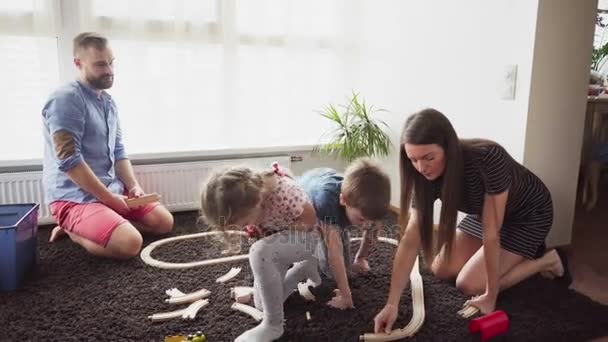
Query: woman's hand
x=384, y=320
x=485, y=303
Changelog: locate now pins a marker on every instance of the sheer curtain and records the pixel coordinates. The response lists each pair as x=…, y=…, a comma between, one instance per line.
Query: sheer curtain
x=210, y=74
x=29, y=65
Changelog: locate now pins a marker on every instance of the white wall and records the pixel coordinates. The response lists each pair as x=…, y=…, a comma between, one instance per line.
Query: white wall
x=449, y=55
x=455, y=63
x=312, y=160
x=560, y=74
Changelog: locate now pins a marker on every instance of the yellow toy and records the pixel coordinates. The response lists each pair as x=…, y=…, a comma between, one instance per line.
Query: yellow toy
x=198, y=337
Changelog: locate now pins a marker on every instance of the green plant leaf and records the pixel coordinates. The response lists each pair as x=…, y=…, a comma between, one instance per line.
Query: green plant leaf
x=357, y=133
x=598, y=57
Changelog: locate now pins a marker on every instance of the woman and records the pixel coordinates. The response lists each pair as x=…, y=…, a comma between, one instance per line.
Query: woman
x=501, y=240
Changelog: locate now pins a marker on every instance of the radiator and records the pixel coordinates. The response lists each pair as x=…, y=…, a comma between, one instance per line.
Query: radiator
x=178, y=183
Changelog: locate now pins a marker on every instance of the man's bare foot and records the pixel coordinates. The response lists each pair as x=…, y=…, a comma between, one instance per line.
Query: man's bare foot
x=555, y=268
x=56, y=233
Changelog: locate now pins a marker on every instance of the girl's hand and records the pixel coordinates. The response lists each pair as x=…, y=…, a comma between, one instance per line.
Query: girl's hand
x=253, y=231
x=485, y=303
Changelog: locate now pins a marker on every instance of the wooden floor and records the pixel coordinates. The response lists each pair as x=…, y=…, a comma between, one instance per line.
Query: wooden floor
x=589, y=252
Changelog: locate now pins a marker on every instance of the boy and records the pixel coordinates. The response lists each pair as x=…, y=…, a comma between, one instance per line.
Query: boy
x=357, y=200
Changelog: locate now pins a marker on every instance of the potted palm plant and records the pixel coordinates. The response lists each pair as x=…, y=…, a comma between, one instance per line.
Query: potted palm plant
x=356, y=133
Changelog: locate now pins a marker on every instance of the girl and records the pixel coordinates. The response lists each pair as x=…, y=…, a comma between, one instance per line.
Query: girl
x=283, y=218
x=501, y=240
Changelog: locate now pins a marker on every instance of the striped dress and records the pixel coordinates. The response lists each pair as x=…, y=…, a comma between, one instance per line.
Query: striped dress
x=489, y=169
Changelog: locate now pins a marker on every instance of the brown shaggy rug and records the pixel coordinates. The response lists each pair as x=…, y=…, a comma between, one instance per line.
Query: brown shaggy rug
x=72, y=296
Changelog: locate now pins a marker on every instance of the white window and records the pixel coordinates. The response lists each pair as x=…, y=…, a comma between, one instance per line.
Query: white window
x=30, y=70
x=190, y=75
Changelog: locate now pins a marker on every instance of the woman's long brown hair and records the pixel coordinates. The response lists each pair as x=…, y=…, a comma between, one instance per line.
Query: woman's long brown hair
x=425, y=127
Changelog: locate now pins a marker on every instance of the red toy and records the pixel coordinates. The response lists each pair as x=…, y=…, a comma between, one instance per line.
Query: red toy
x=490, y=325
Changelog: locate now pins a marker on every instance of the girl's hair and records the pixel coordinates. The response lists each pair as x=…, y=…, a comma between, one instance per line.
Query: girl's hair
x=425, y=127
x=230, y=194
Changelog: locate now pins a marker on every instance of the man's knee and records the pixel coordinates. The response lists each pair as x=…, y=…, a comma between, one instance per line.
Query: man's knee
x=162, y=222
x=165, y=223
x=131, y=246
x=126, y=241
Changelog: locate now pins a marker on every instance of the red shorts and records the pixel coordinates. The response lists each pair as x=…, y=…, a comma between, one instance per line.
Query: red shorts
x=94, y=221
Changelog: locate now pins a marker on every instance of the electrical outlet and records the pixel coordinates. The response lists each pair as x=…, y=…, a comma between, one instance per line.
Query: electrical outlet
x=508, y=82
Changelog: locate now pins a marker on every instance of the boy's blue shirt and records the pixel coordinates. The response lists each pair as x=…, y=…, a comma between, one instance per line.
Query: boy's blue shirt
x=323, y=186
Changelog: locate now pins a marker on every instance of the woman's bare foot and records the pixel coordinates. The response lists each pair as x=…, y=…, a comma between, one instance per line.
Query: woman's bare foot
x=56, y=233
x=555, y=268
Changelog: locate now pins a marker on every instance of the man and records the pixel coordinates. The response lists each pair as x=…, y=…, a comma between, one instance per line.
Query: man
x=87, y=174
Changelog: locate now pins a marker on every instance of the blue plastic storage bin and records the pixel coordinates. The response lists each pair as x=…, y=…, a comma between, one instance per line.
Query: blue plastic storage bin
x=18, y=244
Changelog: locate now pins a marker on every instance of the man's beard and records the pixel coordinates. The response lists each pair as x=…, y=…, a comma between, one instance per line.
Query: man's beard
x=103, y=82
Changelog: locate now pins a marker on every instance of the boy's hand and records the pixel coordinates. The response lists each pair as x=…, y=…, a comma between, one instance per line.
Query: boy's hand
x=341, y=302
x=360, y=265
